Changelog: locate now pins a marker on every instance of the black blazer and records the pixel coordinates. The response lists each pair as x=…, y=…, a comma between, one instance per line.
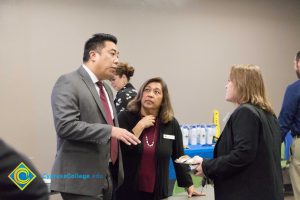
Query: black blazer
x=246, y=162
x=165, y=149
x=9, y=160
x=124, y=96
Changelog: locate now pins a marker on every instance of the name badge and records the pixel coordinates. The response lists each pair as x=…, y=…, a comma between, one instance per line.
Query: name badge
x=170, y=137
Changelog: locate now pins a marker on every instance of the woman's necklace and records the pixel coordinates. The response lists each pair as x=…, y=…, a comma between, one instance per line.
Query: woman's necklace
x=147, y=140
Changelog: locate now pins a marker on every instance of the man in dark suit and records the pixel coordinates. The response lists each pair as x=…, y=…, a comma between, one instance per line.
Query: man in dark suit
x=86, y=124
x=9, y=161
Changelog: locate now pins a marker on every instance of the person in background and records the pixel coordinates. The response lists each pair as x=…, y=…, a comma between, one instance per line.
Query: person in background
x=146, y=166
x=10, y=159
x=246, y=163
x=289, y=120
x=120, y=82
x=86, y=125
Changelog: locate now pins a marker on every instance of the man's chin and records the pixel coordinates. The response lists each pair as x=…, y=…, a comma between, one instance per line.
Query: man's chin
x=111, y=75
x=112, y=71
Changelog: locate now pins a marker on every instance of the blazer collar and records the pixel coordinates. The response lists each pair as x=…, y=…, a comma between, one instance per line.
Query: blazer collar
x=91, y=86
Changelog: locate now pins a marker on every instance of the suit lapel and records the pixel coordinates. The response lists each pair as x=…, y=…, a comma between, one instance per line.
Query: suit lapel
x=90, y=85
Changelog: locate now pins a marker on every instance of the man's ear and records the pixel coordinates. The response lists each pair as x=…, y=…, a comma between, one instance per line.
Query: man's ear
x=93, y=55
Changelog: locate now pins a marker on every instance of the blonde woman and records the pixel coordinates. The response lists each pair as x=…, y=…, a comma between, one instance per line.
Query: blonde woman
x=246, y=162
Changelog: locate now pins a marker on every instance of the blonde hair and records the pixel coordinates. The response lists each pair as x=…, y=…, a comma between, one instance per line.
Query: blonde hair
x=250, y=87
x=166, y=113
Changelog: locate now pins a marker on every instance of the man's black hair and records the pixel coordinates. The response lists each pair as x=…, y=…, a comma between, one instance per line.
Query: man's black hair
x=97, y=41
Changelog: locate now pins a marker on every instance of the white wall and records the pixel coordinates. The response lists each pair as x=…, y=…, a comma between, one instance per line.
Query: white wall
x=190, y=43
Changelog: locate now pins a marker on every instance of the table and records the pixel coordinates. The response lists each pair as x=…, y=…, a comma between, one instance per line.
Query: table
x=204, y=151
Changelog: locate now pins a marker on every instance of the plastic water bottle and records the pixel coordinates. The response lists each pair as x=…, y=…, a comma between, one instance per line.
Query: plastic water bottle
x=185, y=135
x=202, y=135
x=213, y=131
x=193, y=135
x=198, y=133
x=209, y=135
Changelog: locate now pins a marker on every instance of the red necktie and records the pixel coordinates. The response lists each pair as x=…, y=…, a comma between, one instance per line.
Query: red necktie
x=113, y=141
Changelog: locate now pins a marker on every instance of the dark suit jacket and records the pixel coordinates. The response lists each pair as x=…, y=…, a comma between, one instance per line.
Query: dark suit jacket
x=83, y=135
x=166, y=149
x=9, y=160
x=246, y=162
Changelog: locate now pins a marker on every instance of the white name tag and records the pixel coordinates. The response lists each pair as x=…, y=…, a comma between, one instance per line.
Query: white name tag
x=170, y=137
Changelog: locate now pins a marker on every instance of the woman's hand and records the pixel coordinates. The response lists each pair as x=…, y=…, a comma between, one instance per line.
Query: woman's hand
x=147, y=121
x=199, y=170
x=193, y=192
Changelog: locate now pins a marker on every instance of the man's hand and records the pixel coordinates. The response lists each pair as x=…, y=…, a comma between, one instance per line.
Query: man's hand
x=124, y=135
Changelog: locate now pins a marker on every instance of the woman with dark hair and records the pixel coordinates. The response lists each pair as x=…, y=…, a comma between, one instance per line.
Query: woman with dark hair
x=146, y=167
x=246, y=162
x=120, y=82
